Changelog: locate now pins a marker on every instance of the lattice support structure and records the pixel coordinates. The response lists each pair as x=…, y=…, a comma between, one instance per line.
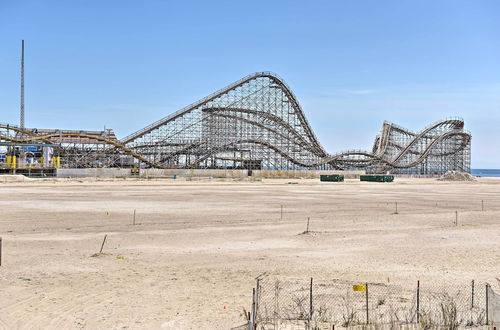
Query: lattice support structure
x=257, y=123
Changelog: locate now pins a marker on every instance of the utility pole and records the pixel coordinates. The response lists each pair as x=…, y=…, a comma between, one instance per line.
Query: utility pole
x=22, y=88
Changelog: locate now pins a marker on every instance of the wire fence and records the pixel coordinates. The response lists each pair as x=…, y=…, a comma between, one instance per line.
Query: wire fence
x=310, y=304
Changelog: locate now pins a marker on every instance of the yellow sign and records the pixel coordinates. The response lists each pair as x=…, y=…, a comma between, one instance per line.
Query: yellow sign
x=359, y=287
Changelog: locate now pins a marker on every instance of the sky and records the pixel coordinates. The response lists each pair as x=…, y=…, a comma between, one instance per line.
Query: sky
x=352, y=64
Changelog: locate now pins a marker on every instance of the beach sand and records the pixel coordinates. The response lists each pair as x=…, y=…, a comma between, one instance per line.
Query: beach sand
x=191, y=260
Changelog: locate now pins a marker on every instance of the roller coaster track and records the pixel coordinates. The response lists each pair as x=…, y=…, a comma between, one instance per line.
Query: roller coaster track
x=273, y=118
x=275, y=78
x=343, y=156
x=452, y=123
x=20, y=130
x=92, y=137
x=260, y=113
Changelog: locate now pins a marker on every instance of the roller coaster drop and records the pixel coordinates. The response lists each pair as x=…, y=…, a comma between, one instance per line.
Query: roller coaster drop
x=254, y=123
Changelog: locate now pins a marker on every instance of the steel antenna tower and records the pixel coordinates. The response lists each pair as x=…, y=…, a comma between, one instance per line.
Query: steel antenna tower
x=22, y=87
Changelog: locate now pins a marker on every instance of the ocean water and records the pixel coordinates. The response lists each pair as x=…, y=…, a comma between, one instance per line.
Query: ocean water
x=486, y=172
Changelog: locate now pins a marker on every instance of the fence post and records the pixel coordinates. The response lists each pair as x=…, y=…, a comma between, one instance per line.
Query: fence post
x=255, y=305
x=367, y=315
x=251, y=321
x=311, y=299
x=487, y=318
x=472, y=295
x=257, y=294
x=418, y=301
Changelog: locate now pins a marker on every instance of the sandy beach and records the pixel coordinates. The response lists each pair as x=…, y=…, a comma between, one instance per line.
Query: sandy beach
x=190, y=260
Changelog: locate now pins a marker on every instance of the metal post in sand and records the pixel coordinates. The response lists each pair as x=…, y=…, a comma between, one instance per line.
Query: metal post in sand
x=104, y=241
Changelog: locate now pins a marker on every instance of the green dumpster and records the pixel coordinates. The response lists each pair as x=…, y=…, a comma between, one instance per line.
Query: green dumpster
x=331, y=178
x=377, y=178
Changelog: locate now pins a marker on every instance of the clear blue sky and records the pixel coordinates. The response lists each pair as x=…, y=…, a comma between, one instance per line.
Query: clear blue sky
x=352, y=64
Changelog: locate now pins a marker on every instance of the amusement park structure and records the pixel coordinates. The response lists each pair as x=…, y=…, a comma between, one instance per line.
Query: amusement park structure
x=254, y=123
